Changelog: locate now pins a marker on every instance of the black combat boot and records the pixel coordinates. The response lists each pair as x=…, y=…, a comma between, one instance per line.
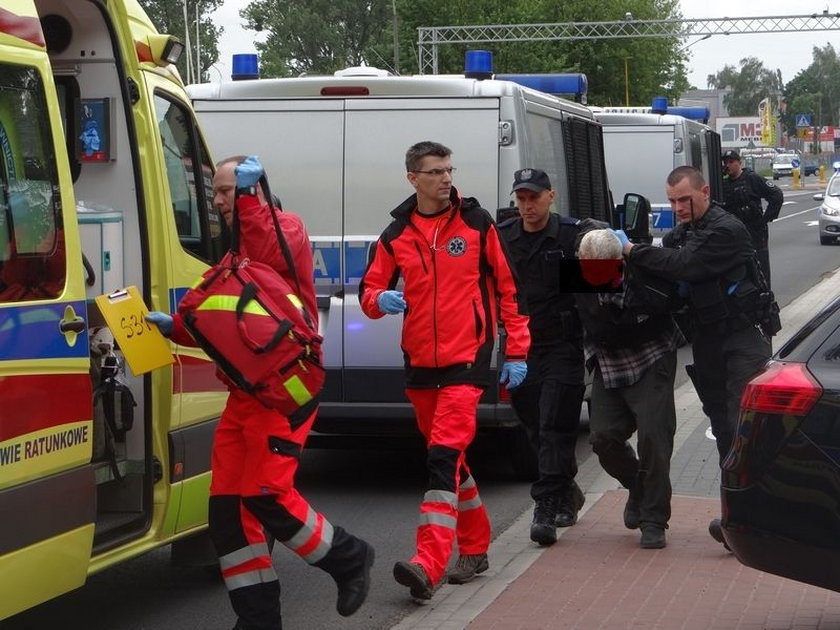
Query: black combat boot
x=543, y=527
x=569, y=506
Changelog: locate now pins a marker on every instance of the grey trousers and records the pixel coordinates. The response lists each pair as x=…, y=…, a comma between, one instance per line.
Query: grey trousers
x=646, y=407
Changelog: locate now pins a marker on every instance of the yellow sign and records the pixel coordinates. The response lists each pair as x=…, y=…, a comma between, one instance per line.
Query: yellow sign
x=145, y=349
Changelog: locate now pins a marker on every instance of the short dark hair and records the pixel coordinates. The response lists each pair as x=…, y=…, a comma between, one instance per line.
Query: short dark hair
x=417, y=152
x=694, y=176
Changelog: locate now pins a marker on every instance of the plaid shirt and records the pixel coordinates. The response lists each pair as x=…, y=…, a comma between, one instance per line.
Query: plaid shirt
x=621, y=367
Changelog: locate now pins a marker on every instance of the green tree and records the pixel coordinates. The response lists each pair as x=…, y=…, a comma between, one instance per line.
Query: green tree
x=168, y=17
x=748, y=86
x=321, y=36
x=316, y=36
x=815, y=91
x=654, y=66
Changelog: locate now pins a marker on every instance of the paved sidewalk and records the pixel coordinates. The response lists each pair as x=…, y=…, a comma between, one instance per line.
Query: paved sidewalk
x=597, y=577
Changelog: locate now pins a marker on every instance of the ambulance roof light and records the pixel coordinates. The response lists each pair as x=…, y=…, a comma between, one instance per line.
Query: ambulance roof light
x=165, y=49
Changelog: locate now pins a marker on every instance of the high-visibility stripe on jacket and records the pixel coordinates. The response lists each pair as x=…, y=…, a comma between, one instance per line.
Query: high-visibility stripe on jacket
x=454, y=289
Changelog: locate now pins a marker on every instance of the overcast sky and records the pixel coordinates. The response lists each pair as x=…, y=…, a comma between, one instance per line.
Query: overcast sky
x=789, y=52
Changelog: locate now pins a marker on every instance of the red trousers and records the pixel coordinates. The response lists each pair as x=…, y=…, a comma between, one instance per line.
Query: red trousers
x=451, y=509
x=255, y=456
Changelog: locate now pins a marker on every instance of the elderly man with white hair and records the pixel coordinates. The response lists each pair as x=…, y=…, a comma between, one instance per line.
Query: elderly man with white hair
x=631, y=341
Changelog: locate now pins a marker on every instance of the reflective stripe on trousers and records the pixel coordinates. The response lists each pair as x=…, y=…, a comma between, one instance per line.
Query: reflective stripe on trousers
x=451, y=508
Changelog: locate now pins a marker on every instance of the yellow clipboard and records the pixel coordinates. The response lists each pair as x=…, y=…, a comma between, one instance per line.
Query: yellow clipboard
x=144, y=347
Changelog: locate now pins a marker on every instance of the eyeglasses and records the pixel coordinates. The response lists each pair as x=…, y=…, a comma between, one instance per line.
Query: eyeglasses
x=438, y=172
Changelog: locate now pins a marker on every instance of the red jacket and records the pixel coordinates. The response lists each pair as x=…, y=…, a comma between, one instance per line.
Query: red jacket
x=454, y=290
x=258, y=241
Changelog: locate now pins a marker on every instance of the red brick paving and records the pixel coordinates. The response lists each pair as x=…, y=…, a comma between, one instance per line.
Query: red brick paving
x=597, y=577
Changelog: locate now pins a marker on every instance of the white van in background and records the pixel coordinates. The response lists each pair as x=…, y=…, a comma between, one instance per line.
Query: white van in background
x=334, y=150
x=643, y=144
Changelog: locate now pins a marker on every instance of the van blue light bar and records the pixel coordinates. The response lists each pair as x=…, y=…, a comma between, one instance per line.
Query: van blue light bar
x=659, y=105
x=564, y=83
x=698, y=113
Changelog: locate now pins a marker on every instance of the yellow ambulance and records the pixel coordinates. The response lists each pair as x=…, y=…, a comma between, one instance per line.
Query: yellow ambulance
x=105, y=183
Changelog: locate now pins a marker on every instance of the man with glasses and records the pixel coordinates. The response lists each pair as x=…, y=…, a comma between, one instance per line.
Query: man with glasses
x=743, y=190
x=456, y=278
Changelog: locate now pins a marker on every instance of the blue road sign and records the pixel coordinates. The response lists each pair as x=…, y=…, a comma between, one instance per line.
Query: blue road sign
x=803, y=120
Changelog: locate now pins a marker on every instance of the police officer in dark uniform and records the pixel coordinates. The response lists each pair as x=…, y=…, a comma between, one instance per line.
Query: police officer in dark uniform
x=743, y=190
x=711, y=254
x=541, y=245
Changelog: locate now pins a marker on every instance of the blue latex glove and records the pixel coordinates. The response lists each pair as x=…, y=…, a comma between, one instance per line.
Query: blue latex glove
x=248, y=172
x=391, y=302
x=513, y=373
x=162, y=321
x=621, y=236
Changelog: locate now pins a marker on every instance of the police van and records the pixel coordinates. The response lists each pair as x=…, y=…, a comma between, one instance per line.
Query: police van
x=105, y=183
x=642, y=145
x=334, y=149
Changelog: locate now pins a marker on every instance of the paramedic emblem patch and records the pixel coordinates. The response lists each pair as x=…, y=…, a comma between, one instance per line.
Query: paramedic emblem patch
x=456, y=246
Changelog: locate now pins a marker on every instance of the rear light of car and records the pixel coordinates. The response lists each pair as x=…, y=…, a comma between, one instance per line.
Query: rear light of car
x=783, y=388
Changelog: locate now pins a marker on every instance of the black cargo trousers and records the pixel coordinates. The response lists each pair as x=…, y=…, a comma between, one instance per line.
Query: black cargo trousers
x=724, y=361
x=548, y=404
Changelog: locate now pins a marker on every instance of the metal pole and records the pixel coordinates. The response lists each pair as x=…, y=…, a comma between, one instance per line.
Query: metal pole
x=187, y=43
x=197, y=42
x=396, y=39
x=626, y=84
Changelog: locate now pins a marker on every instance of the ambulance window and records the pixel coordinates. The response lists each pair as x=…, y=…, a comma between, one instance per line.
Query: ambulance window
x=32, y=252
x=200, y=226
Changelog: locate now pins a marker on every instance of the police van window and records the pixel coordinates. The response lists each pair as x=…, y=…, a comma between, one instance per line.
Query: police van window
x=32, y=252
x=695, y=147
x=200, y=226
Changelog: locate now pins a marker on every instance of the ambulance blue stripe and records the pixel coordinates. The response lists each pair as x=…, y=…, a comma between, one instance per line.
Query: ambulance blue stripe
x=31, y=332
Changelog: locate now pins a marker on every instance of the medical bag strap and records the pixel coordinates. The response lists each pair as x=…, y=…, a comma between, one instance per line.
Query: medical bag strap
x=284, y=245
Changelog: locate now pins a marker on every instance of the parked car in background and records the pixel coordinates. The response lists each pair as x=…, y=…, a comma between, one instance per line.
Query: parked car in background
x=783, y=164
x=781, y=480
x=809, y=168
x=828, y=218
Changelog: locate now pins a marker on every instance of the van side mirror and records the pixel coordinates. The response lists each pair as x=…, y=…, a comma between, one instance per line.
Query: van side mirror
x=633, y=216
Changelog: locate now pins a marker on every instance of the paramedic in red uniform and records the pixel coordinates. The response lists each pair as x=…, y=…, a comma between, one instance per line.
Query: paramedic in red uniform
x=456, y=277
x=256, y=452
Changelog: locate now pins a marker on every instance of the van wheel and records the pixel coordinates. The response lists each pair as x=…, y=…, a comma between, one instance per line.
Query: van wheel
x=826, y=240
x=523, y=458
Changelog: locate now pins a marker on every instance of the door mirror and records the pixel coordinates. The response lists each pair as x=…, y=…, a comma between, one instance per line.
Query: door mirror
x=633, y=216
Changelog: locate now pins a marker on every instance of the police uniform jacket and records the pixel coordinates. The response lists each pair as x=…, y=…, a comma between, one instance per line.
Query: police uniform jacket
x=743, y=196
x=542, y=261
x=711, y=255
x=454, y=289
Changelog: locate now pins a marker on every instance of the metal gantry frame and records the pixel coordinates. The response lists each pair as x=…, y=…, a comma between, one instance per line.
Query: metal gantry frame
x=429, y=38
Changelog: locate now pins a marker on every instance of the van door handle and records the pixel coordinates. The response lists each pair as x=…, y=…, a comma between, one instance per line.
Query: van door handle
x=71, y=325
x=77, y=325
